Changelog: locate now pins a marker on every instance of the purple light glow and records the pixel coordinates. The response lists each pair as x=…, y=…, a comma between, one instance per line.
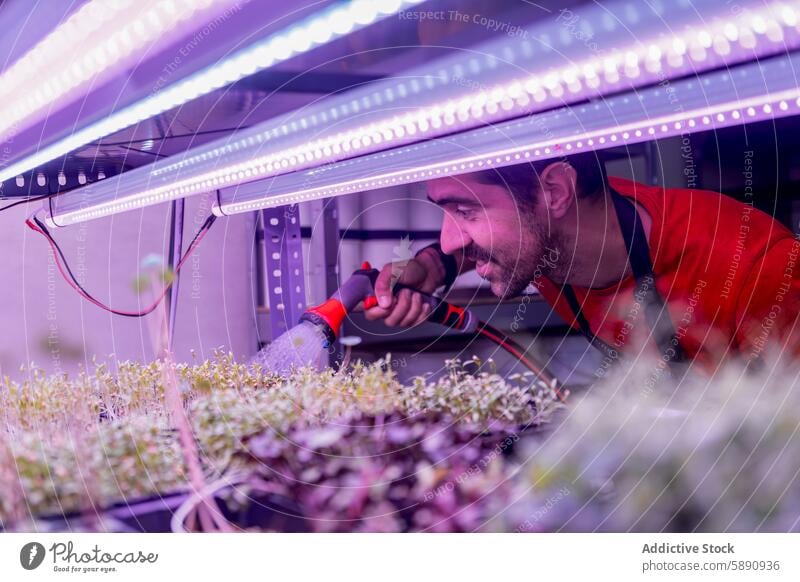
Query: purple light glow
x=99, y=40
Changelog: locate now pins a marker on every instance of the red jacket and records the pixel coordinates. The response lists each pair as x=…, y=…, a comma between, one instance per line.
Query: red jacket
x=730, y=275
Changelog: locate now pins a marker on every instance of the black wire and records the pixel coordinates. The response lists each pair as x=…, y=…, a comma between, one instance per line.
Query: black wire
x=61, y=254
x=26, y=200
x=166, y=137
x=41, y=197
x=206, y=225
x=138, y=151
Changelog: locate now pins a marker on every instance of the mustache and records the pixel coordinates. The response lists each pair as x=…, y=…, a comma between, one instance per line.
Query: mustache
x=476, y=253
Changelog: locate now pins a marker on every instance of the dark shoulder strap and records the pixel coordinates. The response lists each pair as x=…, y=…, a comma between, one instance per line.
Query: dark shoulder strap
x=655, y=307
x=583, y=324
x=635, y=238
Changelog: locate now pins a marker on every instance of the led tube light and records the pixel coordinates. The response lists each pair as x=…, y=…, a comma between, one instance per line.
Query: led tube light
x=497, y=87
x=324, y=26
x=98, y=38
x=487, y=84
x=745, y=94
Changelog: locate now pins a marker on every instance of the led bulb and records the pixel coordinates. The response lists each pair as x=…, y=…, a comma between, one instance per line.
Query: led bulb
x=759, y=25
x=698, y=53
x=319, y=32
x=789, y=16
x=774, y=32
x=679, y=46
x=340, y=21
x=747, y=39
x=721, y=46
x=364, y=11
x=388, y=6
x=300, y=40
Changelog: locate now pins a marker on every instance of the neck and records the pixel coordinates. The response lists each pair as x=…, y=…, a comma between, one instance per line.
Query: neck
x=594, y=244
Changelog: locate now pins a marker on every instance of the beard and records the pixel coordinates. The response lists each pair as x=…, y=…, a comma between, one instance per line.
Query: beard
x=539, y=254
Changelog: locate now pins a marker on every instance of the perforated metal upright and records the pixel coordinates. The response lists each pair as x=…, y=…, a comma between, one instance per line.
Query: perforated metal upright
x=323, y=256
x=284, y=260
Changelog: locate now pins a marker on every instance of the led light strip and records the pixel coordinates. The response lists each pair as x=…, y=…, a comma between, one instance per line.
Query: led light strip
x=97, y=38
x=743, y=35
x=315, y=31
x=724, y=41
x=750, y=93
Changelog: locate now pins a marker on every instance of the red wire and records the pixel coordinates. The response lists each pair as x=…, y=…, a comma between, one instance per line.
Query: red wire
x=94, y=301
x=505, y=344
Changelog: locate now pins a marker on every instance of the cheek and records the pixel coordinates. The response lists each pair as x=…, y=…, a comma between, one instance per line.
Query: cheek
x=505, y=232
x=486, y=233
x=478, y=233
x=501, y=243
x=515, y=243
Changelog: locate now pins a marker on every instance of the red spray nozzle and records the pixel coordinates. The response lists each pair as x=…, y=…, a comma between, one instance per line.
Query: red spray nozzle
x=361, y=287
x=330, y=314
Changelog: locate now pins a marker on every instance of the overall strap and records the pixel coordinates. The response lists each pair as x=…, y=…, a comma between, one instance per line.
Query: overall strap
x=635, y=238
x=583, y=324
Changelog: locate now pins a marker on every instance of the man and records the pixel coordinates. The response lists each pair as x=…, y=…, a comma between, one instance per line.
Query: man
x=684, y=274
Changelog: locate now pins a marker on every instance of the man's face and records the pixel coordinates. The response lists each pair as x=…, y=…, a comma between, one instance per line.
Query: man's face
x=512, y=245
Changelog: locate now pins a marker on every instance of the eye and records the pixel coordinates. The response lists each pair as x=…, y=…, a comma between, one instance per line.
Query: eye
x=464, y=212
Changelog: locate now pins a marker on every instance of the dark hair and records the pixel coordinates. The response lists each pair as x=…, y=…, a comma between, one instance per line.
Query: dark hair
x=522, y=180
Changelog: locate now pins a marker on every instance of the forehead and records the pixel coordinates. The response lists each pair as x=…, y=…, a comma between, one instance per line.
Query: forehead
x=466, y=188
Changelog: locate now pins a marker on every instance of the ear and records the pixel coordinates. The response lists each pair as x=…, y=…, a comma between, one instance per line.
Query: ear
x=558, y=188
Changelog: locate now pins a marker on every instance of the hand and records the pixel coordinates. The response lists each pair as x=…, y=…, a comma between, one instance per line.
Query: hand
x=406, y=308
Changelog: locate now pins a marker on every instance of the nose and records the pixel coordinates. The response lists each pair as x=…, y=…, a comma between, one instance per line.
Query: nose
x=453, y=237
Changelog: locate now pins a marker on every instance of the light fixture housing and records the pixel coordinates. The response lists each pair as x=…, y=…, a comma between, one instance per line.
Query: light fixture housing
x=96, y=41
x=744, y=94
x=538, y=69
x=313, y=31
